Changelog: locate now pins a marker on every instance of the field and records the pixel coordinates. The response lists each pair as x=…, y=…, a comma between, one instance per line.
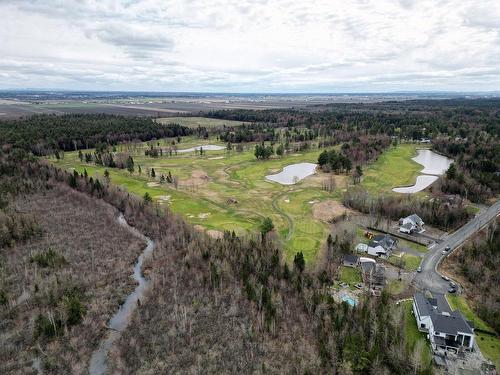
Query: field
x=489, y=344
x=392, y=169
x=225, y=190
x=194, y=122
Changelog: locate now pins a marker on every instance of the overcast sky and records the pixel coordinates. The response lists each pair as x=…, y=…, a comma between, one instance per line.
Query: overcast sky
x=251, y=46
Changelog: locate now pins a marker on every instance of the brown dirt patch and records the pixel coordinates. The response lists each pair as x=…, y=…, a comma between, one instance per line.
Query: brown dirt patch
x=215, y=233
x=328, y=209
x=198, y=177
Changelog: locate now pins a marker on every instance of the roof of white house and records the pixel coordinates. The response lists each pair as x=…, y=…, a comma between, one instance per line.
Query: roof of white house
x=445, y=322
x=407, y=226
x=415, y=219
x=450, y=323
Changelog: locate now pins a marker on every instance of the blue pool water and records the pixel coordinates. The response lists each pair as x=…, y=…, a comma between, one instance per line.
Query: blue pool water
x=351, y=301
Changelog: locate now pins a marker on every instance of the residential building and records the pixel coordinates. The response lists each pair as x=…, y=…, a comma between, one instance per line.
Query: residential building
x=382, y=245
x=411, y=224
x=448, y=330
x=351, y=260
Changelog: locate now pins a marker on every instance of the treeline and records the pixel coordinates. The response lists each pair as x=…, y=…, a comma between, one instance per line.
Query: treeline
x=43, y=134
x=479, y=263
x=436, y=212
x=476, y=173
x=14, y=226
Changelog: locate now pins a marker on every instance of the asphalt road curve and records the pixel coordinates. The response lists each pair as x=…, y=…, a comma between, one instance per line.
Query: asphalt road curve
x=429, y=279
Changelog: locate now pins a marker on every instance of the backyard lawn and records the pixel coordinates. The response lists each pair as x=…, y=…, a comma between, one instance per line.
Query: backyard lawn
x=349, y=275
x=409, y=262
x=414, y=336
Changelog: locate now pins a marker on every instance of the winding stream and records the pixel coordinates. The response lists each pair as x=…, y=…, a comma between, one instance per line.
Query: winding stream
x=120, y=320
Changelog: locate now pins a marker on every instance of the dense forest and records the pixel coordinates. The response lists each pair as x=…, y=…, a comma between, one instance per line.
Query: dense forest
x=43, y=134
x=479, y=263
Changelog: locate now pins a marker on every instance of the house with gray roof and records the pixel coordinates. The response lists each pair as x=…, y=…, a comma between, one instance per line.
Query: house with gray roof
x=447, y=330
x=381, y=245
x=411, y=224
x=351, y=260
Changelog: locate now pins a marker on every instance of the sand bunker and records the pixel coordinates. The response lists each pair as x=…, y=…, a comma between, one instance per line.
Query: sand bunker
x=203, y=215
x=216, y=158
x=153, y=184
x=328, y=210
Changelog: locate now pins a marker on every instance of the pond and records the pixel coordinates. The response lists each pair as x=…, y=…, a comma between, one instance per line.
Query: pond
x=205, y=148
x=434, y=165
x=293, y=173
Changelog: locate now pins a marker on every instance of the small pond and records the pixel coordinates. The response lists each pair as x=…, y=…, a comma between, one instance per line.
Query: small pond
x=422, y=182
x=434, y=165
x=205, y=148
x=293, y=173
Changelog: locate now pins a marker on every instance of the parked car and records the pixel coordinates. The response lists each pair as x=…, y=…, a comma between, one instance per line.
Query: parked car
x=445, y=278
x=452, y=290
x=452, y=284
x=447, y=248
x=419, y=269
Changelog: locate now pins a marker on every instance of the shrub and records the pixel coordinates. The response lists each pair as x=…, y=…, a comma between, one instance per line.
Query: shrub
x=48, y=258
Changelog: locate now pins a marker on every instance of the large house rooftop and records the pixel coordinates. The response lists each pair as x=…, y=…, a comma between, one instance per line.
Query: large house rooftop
x=450, y=323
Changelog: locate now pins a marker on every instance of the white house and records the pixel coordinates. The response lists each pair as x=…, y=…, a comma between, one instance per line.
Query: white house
x=422, y=309
x=447, y=330
x=411, y=224
x=381, y=245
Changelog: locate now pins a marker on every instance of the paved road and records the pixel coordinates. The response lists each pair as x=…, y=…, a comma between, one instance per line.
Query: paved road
x=429, y=278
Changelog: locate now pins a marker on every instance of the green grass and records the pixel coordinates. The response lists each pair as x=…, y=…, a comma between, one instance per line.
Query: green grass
x=413, y=335
x=490, y=347
x=472, y=209
x=460, y=303
x=410, y=262
x=396, y=287
x=349, y=275
x=488, y=344
x=393, y=168
x=194, y=122
x=232, y=175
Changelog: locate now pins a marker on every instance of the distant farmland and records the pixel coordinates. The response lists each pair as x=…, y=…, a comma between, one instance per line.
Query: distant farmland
x=194, y=122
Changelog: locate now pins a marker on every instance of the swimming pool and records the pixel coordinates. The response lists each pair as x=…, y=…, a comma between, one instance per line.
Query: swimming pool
x=351, y=301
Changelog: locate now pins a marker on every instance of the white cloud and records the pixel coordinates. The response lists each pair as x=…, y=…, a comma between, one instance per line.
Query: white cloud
x=245, y=45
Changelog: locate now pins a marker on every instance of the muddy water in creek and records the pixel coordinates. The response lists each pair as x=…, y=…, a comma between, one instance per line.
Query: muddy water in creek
x=120, y=320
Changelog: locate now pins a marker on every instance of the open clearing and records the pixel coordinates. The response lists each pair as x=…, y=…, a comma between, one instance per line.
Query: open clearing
x=392, y=169
x=223, y=190
x=194, y=122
